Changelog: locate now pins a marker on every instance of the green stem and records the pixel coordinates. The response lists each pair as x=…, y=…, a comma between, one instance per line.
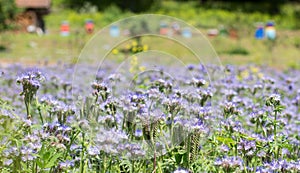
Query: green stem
x=104, y=163
x=39, y=110
x=27, y=105
x=275, y=136
x=82, y=154
x=32, y=167
x=71, y=142
x=236, y=146
x=188, y=150
x=159, y=167
x=50, y=116
x=275, y=126
x=132, y=166
x=96, y=99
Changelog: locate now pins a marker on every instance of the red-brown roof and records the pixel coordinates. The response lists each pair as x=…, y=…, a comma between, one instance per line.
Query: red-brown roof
x=33, y=3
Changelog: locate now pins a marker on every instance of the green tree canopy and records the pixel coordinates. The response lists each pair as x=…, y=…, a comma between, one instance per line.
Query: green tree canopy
x=7, y=12
x=131, y=5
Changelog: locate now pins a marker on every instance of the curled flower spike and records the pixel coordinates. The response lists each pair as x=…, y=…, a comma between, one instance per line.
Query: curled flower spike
x=30, y=82
x=100, y=89
x=273, y=100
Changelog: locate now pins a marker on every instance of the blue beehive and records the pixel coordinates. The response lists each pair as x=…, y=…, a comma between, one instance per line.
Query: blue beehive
x=270, y=31
x=114, y=31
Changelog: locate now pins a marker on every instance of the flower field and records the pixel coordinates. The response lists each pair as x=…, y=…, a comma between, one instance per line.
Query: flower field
x=203, y=119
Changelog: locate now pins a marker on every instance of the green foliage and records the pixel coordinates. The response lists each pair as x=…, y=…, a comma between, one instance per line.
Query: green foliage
x=112, y=13
x=202, y=15
x=265, y=6
x=7, y=12
x=134, y=6
x=238, y=51
x=297, y=42
x=291, y=14
x=49, y=157
x=2, y=48
x=294, y=65
x=207, y=17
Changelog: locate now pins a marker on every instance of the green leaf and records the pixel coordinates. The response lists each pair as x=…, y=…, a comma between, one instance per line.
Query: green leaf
x=46, y=156
x=247, y=137
x=39, y=163
x=53, y=159
x=178, y=159
x=287, y=146
x=180, y=151
x=225, y=140
x=185, y=160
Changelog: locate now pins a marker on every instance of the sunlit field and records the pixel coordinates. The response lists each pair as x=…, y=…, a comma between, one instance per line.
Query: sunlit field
x=152, y=86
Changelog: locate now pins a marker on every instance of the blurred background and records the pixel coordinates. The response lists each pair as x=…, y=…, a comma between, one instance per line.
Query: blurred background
x=265, y=32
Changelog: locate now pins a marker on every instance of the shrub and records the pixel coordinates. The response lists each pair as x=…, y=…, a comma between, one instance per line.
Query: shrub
x=7, y=12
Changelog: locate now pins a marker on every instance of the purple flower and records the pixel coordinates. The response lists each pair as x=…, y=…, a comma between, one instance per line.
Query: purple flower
x=138, y=133
x=229, y=162
x=224, y=148
x=261, y=153
x=27, y=154
x=7, y=162
x=93, y=151
x=66, y=164
x=181, y=171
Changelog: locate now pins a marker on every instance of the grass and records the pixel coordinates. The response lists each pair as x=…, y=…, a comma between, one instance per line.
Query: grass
x=31, y=49
x=282, y=54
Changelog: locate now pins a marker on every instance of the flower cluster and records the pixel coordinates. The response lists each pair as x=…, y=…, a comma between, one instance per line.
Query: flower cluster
x=245, y=119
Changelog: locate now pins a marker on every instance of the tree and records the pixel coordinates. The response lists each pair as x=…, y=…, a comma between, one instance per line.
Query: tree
x=131, y=5
x=265, y=6
x=7, y=12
